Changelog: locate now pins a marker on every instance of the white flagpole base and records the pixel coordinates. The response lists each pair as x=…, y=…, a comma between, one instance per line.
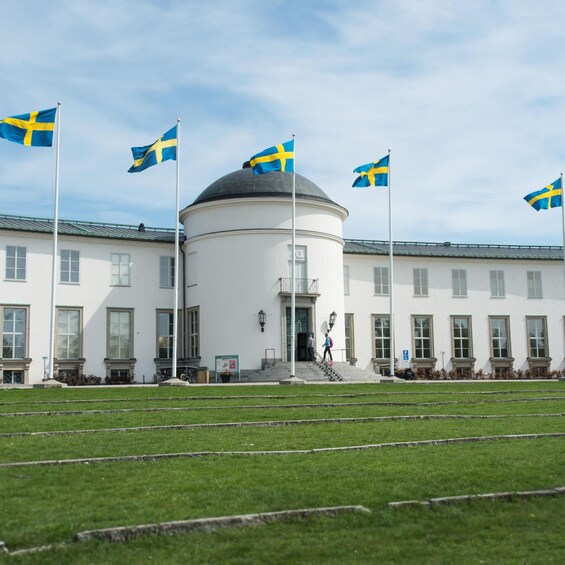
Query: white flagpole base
x=173, y=382
x=292, y=381
x=50, y=383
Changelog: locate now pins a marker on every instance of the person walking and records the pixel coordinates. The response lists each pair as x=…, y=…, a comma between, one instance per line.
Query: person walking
x=328, y=347
x=311, y=348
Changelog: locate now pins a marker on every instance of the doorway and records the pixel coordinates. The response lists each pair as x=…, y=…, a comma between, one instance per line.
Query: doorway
x=302, y=327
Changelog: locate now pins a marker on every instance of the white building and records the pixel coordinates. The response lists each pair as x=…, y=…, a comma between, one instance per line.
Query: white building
x=462, y=307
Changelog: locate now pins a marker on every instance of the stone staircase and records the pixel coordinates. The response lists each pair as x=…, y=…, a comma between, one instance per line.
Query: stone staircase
x=309, y=372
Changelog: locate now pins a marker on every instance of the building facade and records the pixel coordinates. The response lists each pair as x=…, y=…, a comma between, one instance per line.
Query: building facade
x=467, y=308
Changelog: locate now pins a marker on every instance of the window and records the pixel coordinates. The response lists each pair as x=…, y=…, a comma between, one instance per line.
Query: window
x=68, y=333
x=420, y=282
x=69, y=266
x=120, y=269
x=349, y=342
x=534, y=284
x=346, y=279
x=380, y=277
x=300, y=267
x=194, y=333
x=120, y=334
x=15, y=263
x=13, y=377
x=381, y=336
x=167, y=272
x=14, y=333
x=461, y=335
x=422, y=335
x=165, y=334
x=497, y=284
x=14, y=365
x=459, y=280
x=500, y=337
x=537, y=346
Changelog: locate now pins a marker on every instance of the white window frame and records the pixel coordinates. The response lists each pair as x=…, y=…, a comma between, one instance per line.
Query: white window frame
x=535, y=337
x=381, y=281
x=534, y=284
x=300, y=267
x=497, y=287
x=16, y=263
x=458, y=340
x=118, y=317
x=166, y=272
x=346, y=280
x=18, y=339
x=459, y=282
x=70, y=258
x=63, y=331
x=381, y=335
x=421, y=285
x=165, y=340
x=497, y=323
x=14, y=370
x=422, y=343
x=120, y=270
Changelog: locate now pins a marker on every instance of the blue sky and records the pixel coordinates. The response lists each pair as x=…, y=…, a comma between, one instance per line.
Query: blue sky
x=467, y=95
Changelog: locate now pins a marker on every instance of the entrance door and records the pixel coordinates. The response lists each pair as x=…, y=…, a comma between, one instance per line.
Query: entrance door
x=302, y=325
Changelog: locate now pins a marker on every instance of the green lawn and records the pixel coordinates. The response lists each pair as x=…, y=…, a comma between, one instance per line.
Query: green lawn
x=49, y=504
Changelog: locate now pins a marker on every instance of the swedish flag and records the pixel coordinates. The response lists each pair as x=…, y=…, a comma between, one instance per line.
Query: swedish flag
x=372, y=174
x=277, y=158
x=163, y=149
x=34, y=129
x=546, y=198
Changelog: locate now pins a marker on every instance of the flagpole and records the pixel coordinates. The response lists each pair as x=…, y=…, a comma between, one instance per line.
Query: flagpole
x=562, y=223
x=173, y=380
x=391, y=273
x=49, y=380
x=293, y=268
x=176, y=271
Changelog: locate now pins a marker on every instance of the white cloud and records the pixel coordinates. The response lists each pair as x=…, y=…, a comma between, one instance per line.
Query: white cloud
x=466, y=95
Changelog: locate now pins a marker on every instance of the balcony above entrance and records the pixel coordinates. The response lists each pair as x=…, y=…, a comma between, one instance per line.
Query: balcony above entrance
x=302, y=287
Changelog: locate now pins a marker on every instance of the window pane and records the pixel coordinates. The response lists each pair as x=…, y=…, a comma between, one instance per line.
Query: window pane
x=422, y=337
x=536, y=337
x=14, y=333
x=382, y=337
x=461, y=338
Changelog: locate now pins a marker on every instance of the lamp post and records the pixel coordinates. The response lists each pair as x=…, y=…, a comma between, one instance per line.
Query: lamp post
x=262, y=319
x=333, y=317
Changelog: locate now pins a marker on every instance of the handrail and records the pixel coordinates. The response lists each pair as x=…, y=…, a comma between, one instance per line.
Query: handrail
x=302, y=286
x=329, y=371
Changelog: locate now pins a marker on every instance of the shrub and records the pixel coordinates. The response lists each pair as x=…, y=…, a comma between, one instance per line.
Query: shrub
x=74, y=378
x=122, y=378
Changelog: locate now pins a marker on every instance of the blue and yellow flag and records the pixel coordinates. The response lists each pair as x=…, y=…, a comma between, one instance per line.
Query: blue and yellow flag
x=34, y=129
x=163, y=149
x=546, y=198
x=372, y=174
x=277, y=158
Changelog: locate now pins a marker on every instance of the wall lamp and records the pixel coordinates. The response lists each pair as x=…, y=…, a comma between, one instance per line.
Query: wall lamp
x=262, y=319
x=333, y=317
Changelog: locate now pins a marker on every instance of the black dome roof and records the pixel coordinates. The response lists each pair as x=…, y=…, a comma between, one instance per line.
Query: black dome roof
x=244, y=184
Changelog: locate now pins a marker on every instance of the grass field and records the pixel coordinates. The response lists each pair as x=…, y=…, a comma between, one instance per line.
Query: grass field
x=72, y=460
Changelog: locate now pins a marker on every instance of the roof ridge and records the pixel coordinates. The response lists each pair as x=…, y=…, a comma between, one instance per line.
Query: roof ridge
x=85, y=223
x=367, y=242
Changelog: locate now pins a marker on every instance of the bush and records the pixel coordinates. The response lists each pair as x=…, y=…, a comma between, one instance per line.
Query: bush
x=74, y=378
x=120, y=379
x=518, y=374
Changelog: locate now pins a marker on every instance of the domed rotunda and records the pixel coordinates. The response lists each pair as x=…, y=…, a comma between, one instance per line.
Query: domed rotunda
x=238, y=263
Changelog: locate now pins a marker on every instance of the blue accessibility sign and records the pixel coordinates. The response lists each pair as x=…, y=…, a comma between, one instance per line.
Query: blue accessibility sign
x=405, y=354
